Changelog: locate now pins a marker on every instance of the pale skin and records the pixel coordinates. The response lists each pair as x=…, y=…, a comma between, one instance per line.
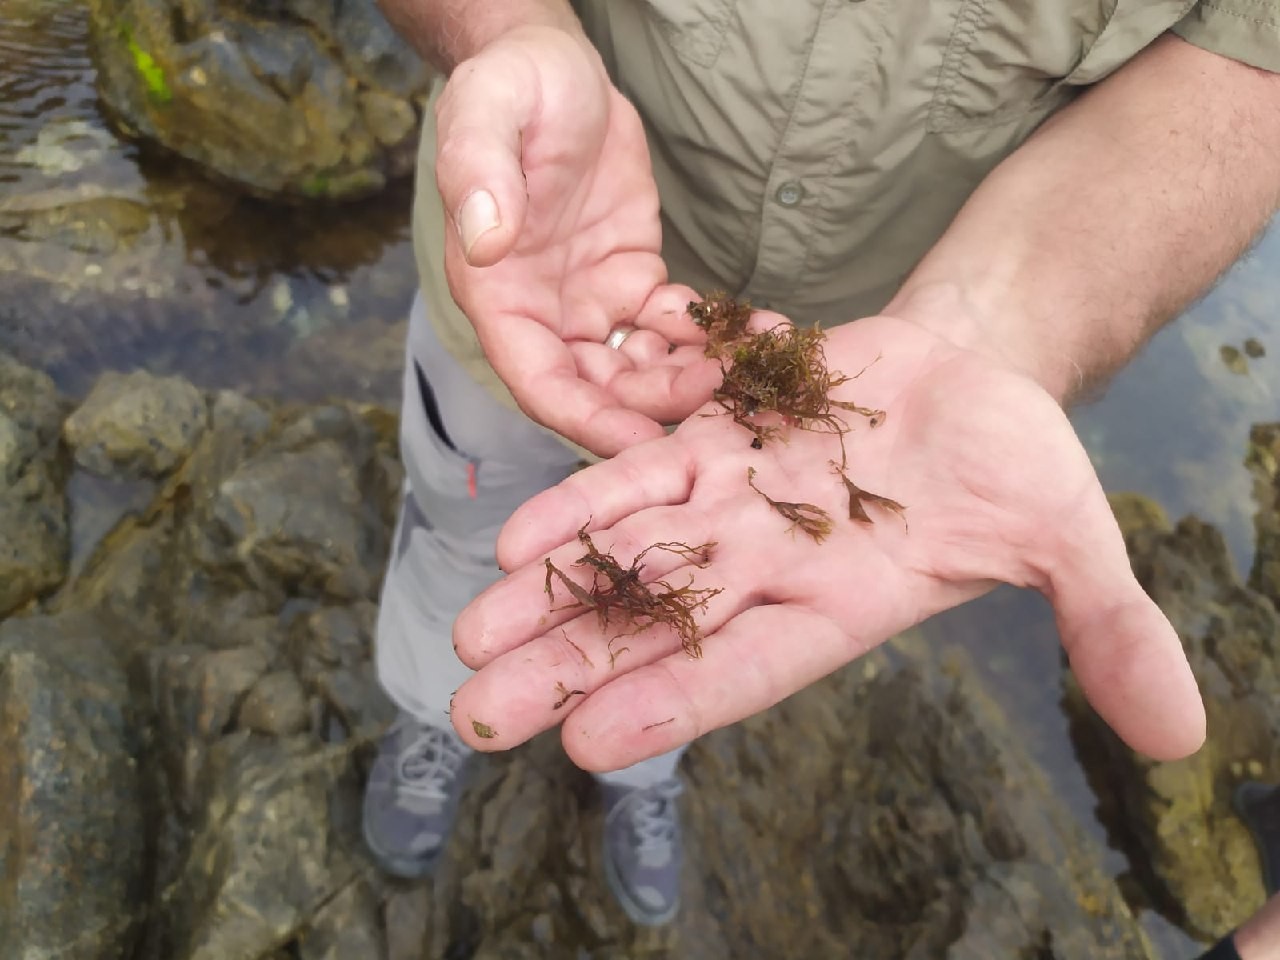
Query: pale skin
x=1109, y=220
x=1259, y=937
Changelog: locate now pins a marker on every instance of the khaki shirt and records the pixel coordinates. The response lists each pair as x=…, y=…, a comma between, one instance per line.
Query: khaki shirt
x=809, y=152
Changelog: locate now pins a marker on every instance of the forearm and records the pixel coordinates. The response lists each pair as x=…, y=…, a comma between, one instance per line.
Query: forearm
x=1109, y=220
x=446, y=32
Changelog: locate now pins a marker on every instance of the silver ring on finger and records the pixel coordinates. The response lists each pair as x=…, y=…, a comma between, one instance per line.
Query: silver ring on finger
x=618, y=335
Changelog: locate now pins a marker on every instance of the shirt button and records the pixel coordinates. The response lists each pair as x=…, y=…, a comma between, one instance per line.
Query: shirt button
x=790, y=193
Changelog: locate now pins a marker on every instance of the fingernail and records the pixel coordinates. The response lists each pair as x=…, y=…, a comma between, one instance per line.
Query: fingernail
x=479, y=215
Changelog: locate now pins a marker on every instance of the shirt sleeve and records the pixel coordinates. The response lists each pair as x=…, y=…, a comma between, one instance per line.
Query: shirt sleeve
x=1244, y=30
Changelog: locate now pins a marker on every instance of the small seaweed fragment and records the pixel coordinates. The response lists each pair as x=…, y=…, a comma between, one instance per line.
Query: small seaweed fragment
x=564, y=693
x=615, y=654
x=858, y=497
x=809, y=517
x=660, y=723
x=617, y=592
x=582, y=653
x=483, y=730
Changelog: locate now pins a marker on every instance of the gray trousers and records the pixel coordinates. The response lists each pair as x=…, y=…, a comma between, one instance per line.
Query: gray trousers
x=469, y=462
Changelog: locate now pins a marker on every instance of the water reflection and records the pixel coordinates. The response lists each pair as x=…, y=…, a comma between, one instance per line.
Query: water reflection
x=113, y=256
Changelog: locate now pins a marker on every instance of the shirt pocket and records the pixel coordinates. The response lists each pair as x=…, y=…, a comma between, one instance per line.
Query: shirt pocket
x=1005, y=59
x=694, y=29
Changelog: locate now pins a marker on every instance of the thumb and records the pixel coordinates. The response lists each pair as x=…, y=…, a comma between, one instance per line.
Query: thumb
x=1125, y=653
x=480, y=118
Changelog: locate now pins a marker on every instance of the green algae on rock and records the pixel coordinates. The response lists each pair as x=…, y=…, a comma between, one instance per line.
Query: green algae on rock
x=303, y=99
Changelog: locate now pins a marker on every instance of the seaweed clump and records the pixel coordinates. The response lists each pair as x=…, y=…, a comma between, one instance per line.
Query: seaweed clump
x=617, y=593
x=783, y=370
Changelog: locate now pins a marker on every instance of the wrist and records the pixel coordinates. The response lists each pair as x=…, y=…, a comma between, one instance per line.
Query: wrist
x=965, y=317
x=464, y=34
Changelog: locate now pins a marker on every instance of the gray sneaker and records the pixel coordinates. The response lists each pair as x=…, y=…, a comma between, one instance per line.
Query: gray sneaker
x=411, y=799
x=642, y=850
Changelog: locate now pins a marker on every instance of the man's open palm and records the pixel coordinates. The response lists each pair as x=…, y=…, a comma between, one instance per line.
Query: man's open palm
x=995, y=486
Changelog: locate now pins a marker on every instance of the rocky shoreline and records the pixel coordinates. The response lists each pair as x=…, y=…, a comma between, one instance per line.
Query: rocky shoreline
x=187, y=703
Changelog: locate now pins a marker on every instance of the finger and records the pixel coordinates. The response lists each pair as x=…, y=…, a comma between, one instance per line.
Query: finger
x=659, y=472
x=532, y=688
x=1126, y=655
x=666, y=312
x=641, y=348
x=1132, y=668
x=517, y=608
x=762, y=320
x=480, y=116
x=540, y=372
x=664, y=386
x=747, y=666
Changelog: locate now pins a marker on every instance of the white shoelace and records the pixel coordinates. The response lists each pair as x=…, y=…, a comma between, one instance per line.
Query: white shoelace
x=653, y=818
x=428, y=763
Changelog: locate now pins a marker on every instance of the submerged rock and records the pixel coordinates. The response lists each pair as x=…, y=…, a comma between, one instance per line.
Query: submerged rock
x=885, y=811
x=1263, y=461
x=1190, y=851
x=267, y=854
x=74, y=863
x=303, y=98
x=896, y=816
x=34, y=539
x=136, y=423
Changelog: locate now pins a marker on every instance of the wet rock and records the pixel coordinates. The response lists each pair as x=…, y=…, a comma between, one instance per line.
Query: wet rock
x=98, y=225
x=333, y=637
x=293, y=518
x=356, y=700
x=331, y=649
x=303, y=97
x=73, y=853
x=882, y=812
x=34, y=541
x=349, y=926
x=1233, y=359
x=195, y=695
x=894, y=817
x=1192, y=854
x=276, y=705
x=272, y=847
x=136, y=423
x=200, y=690
x=301, y=516
x=1263, y=461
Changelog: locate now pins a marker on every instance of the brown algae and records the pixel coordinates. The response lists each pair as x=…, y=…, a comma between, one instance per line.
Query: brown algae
x=808, y=517
x=618, y=595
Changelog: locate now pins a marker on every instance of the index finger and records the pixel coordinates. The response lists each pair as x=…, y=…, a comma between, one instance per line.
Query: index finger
x=656, y=473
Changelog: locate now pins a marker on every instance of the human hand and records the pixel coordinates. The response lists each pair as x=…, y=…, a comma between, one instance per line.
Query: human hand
x=996, y=488
x=554, y=240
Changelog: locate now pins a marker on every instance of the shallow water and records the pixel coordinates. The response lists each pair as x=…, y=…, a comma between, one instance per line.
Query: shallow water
x=156, y=267
x=112, y=256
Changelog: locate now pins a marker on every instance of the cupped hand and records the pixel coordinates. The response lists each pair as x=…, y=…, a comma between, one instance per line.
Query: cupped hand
x=995, y=488
x=554, y=240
